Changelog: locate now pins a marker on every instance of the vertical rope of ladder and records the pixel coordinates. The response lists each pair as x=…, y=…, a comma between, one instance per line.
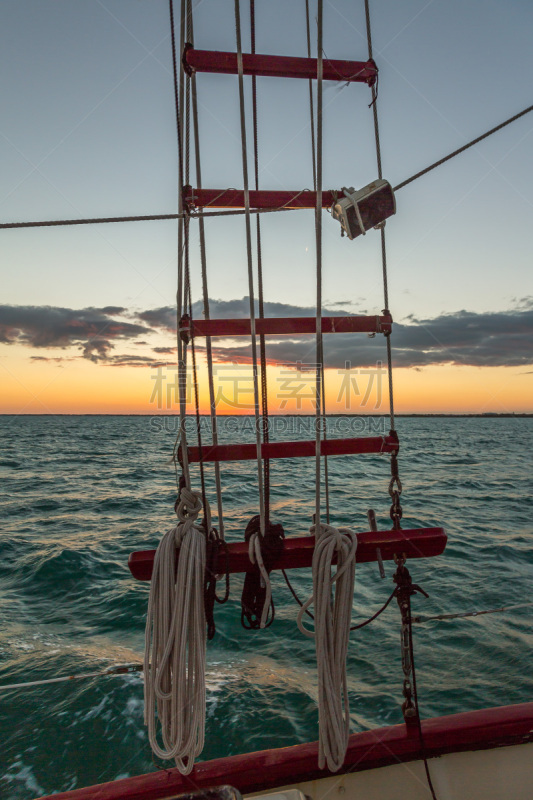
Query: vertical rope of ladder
x=313, y=154
x=383, y=242
x=250, y=264
x=262, y=348
x=187, y=282
x=181, y=346
x=308, y=32
x=175, y=634
x=318, y=232
x=394, y=466
x=205, y=294
x=332, y=593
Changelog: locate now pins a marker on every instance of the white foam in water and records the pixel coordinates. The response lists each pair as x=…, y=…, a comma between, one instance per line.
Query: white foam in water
x=20, y=773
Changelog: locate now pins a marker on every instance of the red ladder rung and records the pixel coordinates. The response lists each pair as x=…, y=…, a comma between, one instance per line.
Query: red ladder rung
x=278, y=66
x=298, y=551
x=301, y=449
x=264, y=198
x=286, y=325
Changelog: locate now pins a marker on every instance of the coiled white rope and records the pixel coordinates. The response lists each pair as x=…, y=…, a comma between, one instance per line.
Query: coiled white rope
x=332, y=600
x=175, y=639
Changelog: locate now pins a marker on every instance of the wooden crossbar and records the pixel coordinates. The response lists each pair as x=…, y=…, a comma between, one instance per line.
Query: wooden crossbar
x=222, y=62
x=263, y=198
x=298, y=551
x=279, y=326
x=299, y=449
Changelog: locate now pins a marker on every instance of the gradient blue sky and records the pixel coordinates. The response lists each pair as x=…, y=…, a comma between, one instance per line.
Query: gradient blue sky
x=88, y=129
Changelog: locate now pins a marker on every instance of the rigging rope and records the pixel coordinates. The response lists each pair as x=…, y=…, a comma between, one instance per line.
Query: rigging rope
x=358, y=625
x=464, y=614
x=463, y=148
x=395, y=485
x=89, y=221
x=332, y=609
x=318, y=234
x=205, y=294
x=117, y=669
x=152, y=217
x=374, y=105
x=124, y=669
x=262, y=348
x=415, y=697
x=255, y=541
x=175, y=639
x=332, y=601
x=313, y=156
x=146, y=217
x=175, y=635
x=312, y=115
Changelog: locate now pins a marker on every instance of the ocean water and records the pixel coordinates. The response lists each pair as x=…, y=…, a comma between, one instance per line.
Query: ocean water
x=81, y=493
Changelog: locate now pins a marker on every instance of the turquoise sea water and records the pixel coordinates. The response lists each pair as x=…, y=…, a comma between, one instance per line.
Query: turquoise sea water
x=80, y=493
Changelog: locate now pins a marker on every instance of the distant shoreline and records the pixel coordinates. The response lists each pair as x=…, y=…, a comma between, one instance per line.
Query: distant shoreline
x=488, y=415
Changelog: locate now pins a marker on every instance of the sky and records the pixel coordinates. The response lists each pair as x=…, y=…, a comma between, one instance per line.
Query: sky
x=87, y=313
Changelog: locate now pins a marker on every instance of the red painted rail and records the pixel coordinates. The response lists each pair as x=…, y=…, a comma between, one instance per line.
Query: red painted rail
x=267, y=770
x=287, y=325
x=278, y=66
x=263, y=198
x=298, y=551
x=301, y=449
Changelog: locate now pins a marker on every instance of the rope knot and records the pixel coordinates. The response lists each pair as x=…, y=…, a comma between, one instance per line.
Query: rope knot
x=257, y=594
x=271, y=543
x=188, y=508
x=325, y=533
x=189, y=505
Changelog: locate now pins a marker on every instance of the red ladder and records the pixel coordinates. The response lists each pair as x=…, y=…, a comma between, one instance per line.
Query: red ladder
x=298, y=551
x=278, y=66
x=285, y=325
x=262, y=198
x=300, y=449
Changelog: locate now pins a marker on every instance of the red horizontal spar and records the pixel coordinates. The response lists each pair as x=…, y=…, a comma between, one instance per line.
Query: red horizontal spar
x=269, y=770
x=278, y=66
x=301, y=449
x=298, y=551
x=263, y=198
x=286, y=325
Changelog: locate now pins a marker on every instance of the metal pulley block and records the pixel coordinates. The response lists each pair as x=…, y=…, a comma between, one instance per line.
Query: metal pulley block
x=366, y=208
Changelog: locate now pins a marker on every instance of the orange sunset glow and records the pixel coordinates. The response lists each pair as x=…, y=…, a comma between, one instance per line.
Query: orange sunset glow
x=78, y=386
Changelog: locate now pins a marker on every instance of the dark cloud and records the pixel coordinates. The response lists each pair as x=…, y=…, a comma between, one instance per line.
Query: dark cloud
x=93, y=330
x=523, y=303
x=232, y=309
x=44, y=358
x=164, y=317
x=131, y=361
x=464, y=338
x=113, y=310
x=96, y=349
x=342, y=303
